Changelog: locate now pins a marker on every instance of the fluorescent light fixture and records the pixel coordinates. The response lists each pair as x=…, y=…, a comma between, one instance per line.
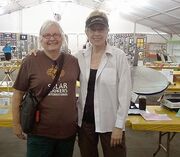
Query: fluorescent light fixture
x=136, y=3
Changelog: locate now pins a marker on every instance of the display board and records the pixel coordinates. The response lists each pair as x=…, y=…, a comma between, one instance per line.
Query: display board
x=21, y=43
x=129, y=43
x=8, y=37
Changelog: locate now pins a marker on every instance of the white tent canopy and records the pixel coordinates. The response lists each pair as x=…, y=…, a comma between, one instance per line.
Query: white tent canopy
x=160, y=15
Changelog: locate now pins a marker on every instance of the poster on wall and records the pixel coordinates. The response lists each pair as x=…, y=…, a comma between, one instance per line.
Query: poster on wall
x=130, y=43
x=23, y=36
x=7, y=35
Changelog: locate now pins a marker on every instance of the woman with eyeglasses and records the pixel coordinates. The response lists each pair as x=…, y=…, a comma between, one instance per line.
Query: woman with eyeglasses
x=105, y=92
x=53, y=135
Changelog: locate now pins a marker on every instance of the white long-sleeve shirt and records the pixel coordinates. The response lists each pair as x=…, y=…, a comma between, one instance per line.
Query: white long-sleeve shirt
x=112, y=88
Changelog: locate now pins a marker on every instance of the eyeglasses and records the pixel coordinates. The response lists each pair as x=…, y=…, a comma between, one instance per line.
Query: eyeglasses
x=55, y=35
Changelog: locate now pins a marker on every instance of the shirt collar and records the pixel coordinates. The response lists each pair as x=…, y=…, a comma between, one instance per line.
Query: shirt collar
x=107, y=50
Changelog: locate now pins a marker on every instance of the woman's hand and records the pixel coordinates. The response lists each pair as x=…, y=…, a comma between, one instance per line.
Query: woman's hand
x=18, y=132
x=116, y=137
x=33, y=52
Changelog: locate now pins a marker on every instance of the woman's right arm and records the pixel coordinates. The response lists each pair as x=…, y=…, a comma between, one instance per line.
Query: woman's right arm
x=16, y=100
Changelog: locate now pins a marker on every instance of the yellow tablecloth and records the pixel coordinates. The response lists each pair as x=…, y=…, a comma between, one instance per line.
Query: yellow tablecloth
x=138, y=123
x=6, y=119
x=174, y=88
x=133, y=121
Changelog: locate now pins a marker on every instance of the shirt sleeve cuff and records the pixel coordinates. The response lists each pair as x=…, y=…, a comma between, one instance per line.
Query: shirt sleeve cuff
x=119, y=124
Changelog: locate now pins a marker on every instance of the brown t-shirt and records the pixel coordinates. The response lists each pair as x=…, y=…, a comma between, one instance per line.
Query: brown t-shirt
x=58, y=113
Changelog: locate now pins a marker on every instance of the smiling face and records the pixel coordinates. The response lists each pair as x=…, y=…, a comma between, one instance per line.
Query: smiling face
x=97, y=34
x=51, y=39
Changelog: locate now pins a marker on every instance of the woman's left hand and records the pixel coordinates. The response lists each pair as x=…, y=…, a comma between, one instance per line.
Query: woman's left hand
x=116, y=137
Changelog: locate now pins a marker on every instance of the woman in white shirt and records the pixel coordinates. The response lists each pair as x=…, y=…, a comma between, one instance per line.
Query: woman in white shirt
x=105, y=92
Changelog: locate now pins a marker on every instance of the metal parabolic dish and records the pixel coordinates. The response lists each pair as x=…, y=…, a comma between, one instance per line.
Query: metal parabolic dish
x=147, y=81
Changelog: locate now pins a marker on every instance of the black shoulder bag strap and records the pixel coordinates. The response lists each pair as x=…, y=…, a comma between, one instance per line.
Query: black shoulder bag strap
x=58, y=72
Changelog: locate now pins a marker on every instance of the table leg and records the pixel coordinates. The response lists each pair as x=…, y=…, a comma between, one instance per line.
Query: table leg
x=168, y=140
x=7, y=77
x=4, y=79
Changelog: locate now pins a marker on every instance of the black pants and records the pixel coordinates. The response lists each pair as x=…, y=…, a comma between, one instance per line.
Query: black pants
x=7, y=56
x=88, y=143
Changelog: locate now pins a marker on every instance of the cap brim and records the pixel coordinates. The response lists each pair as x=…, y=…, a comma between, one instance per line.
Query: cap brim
x=94, y=23
x=97, y=20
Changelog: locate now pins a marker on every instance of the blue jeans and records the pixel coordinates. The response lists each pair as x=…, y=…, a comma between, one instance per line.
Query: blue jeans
x=39, y=146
